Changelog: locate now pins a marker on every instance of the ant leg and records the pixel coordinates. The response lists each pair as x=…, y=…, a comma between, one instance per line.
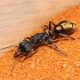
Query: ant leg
x=59, y=40
x=44, y=28
x=51, y=28
x=66, y=36
x=50, y=25
x=52, y=45
x=26, y=38
x=56, y=48
x=29, y=55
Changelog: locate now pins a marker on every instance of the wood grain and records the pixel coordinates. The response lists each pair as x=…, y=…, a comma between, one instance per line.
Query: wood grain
x=19, y=17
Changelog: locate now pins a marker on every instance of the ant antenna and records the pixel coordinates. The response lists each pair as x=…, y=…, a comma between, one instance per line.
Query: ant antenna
x=8, y=47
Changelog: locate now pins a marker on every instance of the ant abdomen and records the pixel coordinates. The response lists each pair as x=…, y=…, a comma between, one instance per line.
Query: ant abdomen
x=66, y=27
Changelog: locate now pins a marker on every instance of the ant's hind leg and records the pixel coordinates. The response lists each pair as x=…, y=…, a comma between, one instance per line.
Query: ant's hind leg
x=52, y=45
x=65, y=36
x=56, y=48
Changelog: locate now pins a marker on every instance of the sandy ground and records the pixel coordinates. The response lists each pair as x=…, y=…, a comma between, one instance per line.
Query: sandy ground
x=48, y=64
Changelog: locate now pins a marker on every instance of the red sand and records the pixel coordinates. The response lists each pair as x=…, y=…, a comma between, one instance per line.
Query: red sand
x=47, y=64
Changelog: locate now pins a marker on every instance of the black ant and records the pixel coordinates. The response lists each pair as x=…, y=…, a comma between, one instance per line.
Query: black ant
x=30, y=45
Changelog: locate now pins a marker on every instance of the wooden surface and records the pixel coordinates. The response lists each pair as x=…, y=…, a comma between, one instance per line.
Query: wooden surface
x=19, y=17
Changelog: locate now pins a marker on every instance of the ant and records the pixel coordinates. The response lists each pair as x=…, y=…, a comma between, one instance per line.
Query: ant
x=30, y=45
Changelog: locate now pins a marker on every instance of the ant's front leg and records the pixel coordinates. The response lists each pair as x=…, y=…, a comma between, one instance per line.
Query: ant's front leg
x=65, y=36
x=50, y=26
x=44, y=28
